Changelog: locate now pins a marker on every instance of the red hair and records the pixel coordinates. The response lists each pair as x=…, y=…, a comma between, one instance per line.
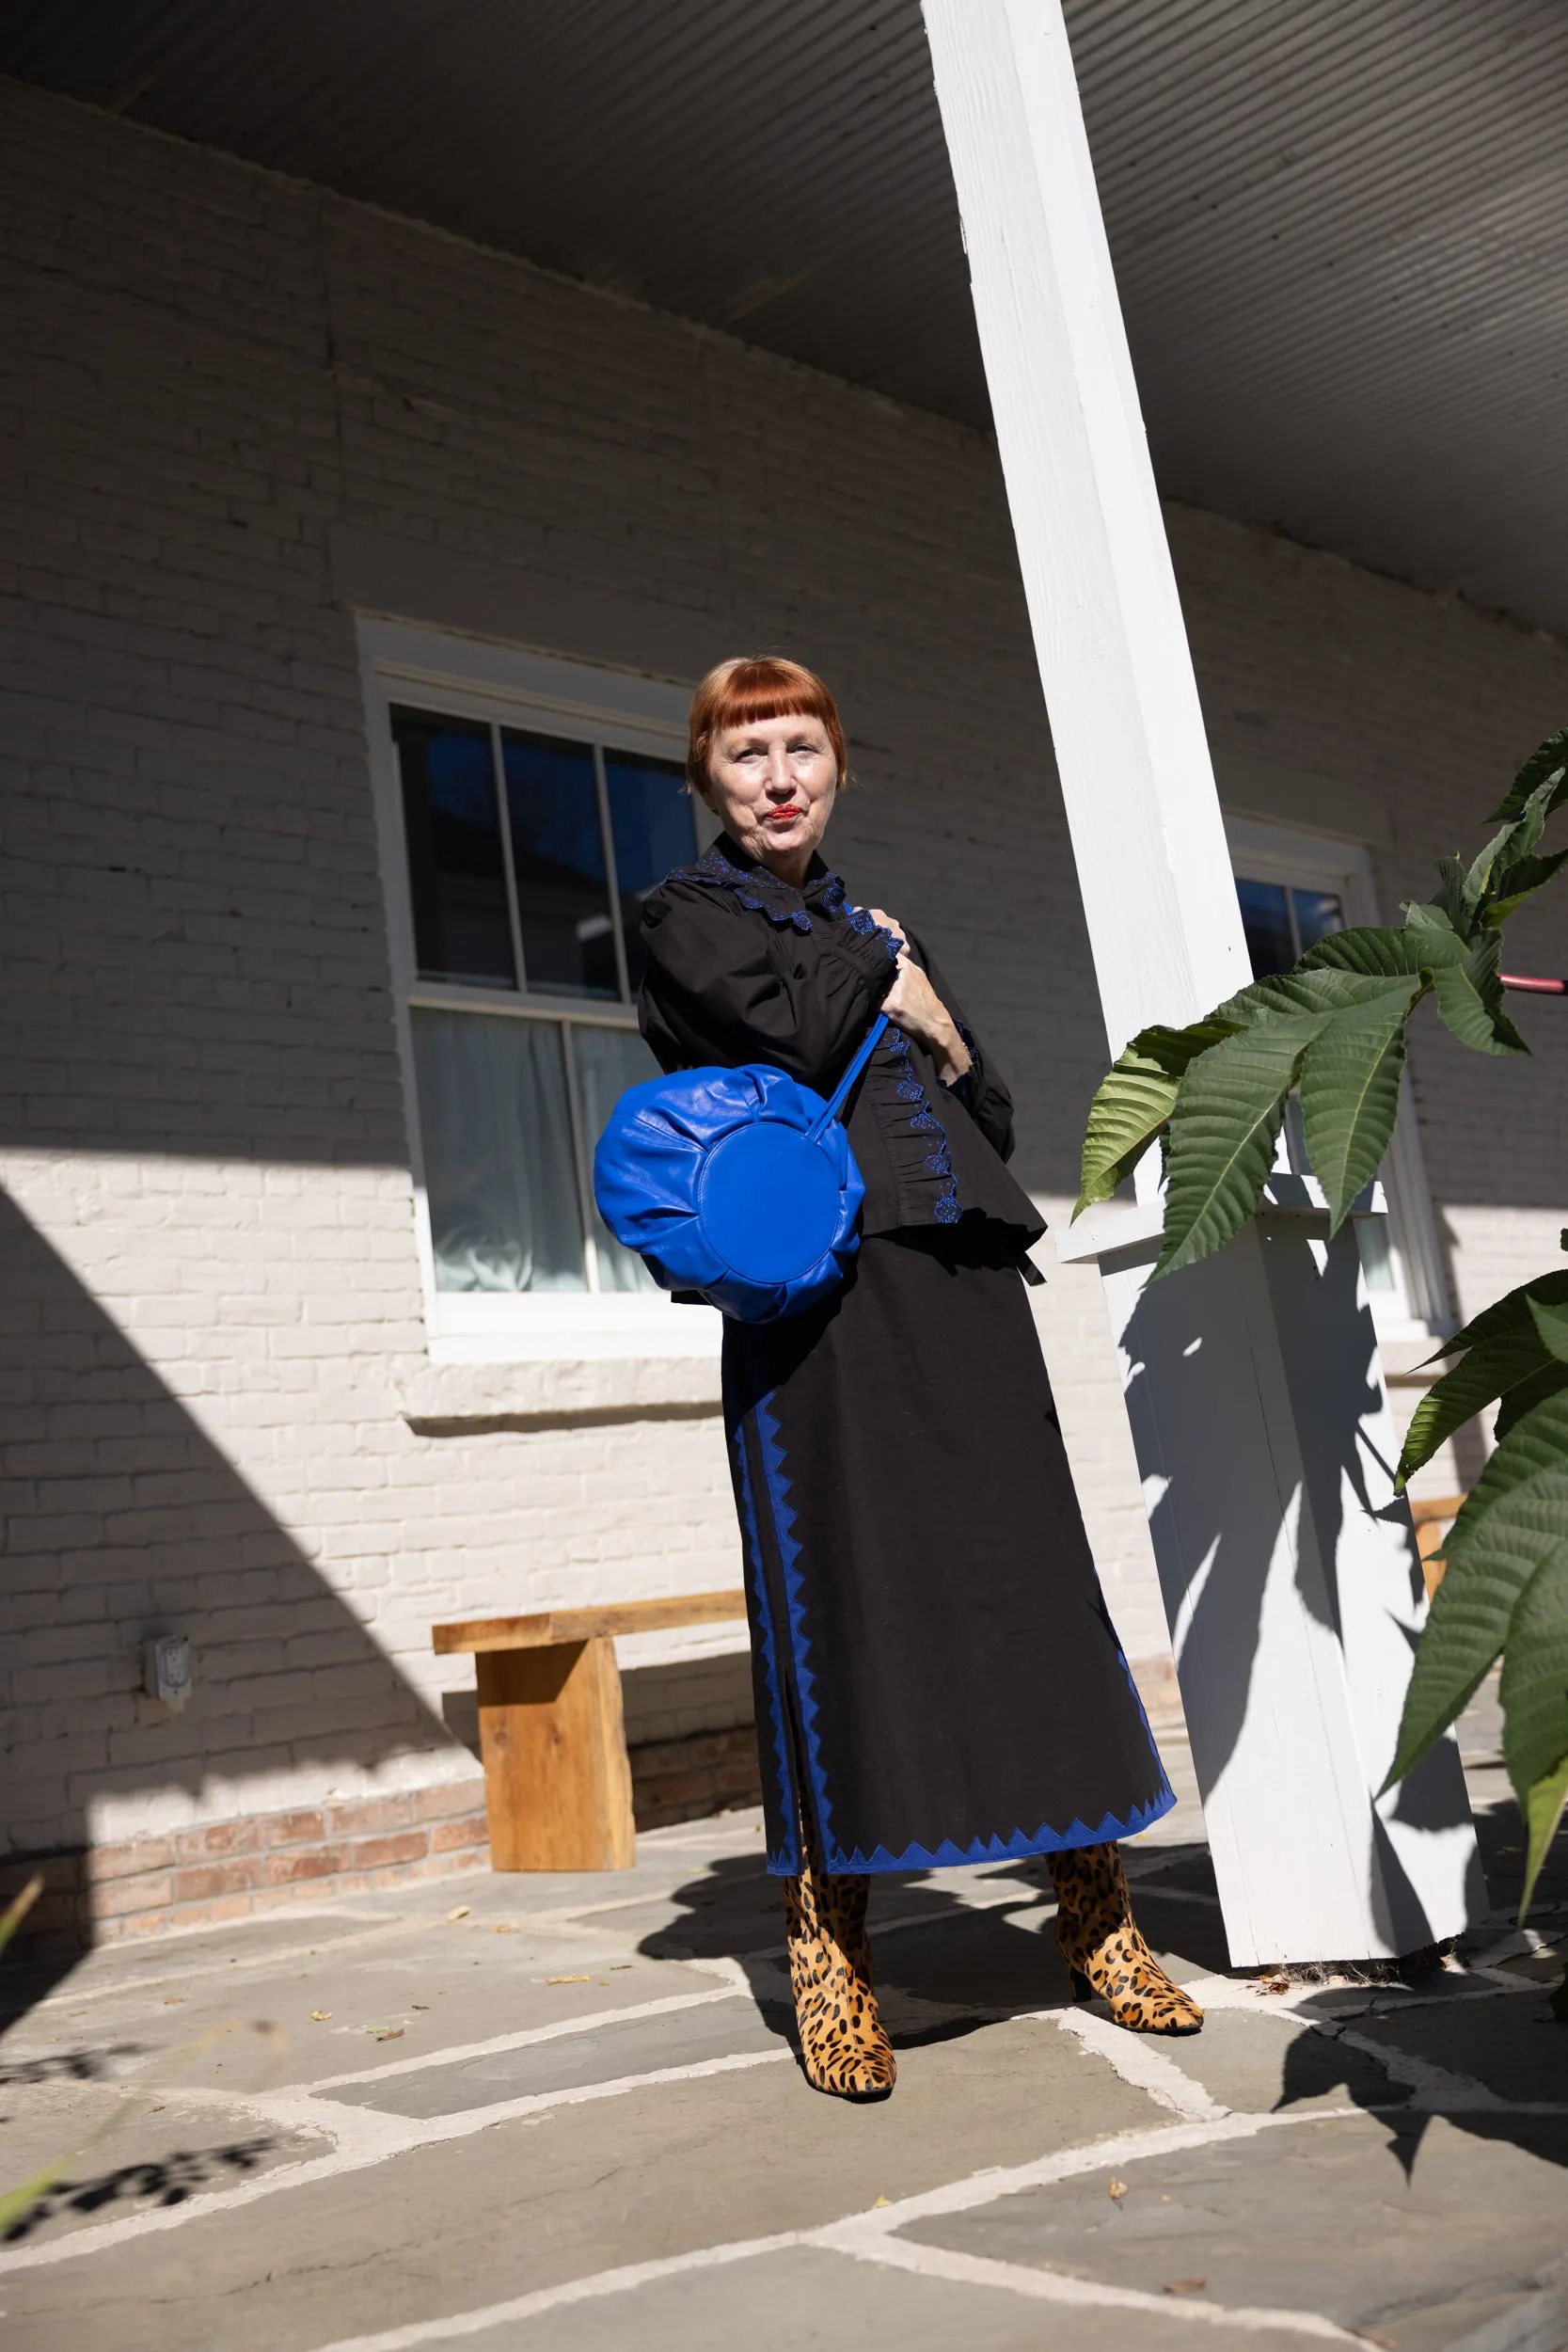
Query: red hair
x=738, y=693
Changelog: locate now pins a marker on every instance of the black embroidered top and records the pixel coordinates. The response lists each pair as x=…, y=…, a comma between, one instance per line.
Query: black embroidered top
x=742, y=967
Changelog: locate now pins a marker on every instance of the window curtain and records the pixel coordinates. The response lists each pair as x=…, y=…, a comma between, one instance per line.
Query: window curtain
x=498, y=1153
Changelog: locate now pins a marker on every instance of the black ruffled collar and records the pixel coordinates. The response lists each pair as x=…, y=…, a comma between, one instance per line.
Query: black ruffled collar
x=724, y=866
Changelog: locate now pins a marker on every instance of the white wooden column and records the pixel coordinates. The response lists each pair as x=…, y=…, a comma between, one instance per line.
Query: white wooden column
x=1253, y=1385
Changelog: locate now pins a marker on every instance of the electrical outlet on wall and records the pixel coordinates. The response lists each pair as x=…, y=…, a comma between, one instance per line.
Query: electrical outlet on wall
x=168, y=1669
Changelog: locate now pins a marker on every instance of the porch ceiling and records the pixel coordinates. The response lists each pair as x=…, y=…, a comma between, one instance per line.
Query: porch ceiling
x=1337, y=224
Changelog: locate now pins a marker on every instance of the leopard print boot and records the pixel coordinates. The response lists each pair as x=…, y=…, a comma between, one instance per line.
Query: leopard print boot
x=842, y=2043
x=1099, y=1941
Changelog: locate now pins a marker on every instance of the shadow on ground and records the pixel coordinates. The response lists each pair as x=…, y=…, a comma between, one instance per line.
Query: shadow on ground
x=948, y=1969
x=148, y=2186
x=163, y=1536
x=944, y=1968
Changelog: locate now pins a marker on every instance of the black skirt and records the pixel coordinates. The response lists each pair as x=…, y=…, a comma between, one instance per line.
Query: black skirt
x=934, y=1668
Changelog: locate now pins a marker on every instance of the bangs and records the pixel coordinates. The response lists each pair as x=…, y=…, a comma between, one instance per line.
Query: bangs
x=738, y=693
x=769, y=690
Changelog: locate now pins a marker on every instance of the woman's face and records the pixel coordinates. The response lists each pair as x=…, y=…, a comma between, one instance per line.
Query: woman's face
x=773, y=784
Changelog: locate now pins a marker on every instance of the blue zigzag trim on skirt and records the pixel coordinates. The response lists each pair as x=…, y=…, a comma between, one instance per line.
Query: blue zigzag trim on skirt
x=946, y=1854
x=789, y=1863
x=790, y=1551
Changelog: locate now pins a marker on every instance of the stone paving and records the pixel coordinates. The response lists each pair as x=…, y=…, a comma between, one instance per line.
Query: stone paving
x=563, y=2112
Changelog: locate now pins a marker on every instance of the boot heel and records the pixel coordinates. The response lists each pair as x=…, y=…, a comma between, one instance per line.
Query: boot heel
x=1082, y=1988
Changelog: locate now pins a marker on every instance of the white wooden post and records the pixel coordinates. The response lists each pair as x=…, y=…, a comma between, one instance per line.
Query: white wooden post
x=1253, y=1385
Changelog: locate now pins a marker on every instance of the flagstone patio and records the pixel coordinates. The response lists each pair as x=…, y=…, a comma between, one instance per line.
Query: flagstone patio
x=518, y=2112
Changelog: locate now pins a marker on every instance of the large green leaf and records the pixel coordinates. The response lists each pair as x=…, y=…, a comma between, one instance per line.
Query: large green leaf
x=1546, y=765
x=1135, y=1101
x=1451, y=876
x=1505, y=851
x=1527, y=1396
x=1470, y=1000
x=1424, y=914
x=1459, y=1644
x=1223, y=1133
x=1550, y=1322
x=1509, y=1312
x=1350, y=1091
x=1532, y=1522
x=1310, y=989
x=1497, y=1364
x=1520, y=883
x=1129, y=1110
x=1542, y=1811
x=1514, y=1522
x=1534, y=1686
x=1419, y=949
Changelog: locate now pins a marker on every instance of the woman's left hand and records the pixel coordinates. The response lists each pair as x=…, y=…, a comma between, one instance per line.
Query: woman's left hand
x=913, y=1003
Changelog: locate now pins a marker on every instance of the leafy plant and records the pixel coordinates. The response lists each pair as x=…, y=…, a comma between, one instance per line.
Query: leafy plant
x=1214, y=1096
x=1505, y=1584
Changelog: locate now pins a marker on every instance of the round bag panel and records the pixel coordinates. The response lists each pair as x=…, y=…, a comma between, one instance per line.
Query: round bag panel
x=771, y=1201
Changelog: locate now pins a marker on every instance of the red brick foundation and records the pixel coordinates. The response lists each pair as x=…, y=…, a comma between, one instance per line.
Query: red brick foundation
x=231, y=1869
x=685, y=1780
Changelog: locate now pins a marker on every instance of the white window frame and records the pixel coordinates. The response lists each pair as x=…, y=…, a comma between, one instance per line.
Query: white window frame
x=1421, y=1308
x=612, y=709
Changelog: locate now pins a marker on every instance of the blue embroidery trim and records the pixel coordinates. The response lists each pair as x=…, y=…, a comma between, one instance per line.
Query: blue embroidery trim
x=761, y=890
x=923, y=1120
x=859, y=919
x=755, y=887
x=790, y=1551
x=946, y=1855
x=789, y=1862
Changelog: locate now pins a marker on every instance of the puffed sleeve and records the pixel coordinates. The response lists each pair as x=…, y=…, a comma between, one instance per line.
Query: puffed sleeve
x=726, y=985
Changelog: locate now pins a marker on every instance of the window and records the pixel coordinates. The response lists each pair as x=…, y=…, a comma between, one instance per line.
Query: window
x=522, y=832
x=1294, y=889
x=1282, y=922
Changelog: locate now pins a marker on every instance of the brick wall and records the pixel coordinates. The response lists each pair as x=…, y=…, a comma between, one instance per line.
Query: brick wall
x=213, y=374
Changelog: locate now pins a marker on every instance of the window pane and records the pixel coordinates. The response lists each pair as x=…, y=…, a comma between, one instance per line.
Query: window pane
x=498, y=1153
x=1266, y=920
x=557, y=858
x=1377, y=1257
x=650, y=822
x=456, y=876
x=1317, y=913
x=609, y=1061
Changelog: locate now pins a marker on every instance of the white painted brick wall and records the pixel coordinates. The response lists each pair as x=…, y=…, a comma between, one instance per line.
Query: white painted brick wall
x=214, y=1294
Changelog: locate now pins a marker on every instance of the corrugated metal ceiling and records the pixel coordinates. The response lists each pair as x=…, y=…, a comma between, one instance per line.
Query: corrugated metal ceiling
x=1337, y=223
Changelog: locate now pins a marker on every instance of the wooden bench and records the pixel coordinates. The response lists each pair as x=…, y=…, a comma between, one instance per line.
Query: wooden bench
x=552, y=1733
x=1433, y=1515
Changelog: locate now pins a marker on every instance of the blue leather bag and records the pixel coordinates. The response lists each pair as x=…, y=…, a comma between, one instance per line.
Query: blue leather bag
x=739, y=1183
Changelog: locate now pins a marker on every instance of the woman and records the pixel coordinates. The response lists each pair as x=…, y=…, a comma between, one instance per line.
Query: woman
x=937, y=1678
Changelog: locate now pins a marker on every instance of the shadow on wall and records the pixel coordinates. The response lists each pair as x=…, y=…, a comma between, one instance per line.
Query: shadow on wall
x=1222, y=1512
x=122, y=1520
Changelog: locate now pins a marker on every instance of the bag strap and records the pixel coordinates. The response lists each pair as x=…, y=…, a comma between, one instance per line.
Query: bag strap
x=841, y=1092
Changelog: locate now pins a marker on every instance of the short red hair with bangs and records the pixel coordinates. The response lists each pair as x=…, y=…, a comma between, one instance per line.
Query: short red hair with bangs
x=738, y=693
